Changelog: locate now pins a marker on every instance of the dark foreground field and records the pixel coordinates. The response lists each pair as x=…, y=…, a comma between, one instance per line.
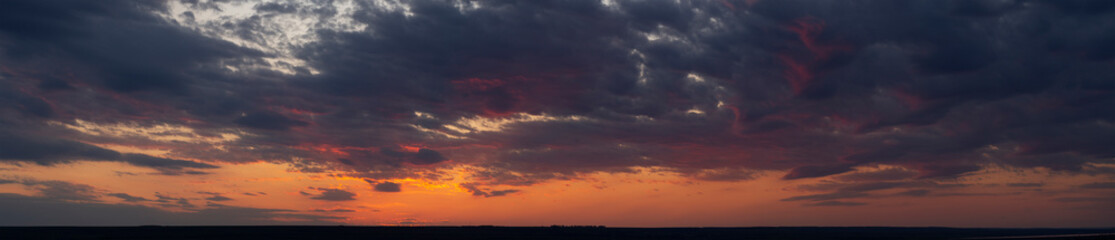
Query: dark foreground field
x=345, y=232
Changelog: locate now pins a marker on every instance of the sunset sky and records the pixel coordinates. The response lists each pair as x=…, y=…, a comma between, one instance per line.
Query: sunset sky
x=656, y=113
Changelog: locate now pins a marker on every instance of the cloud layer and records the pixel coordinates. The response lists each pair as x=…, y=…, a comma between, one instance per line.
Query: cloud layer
x=525, y=92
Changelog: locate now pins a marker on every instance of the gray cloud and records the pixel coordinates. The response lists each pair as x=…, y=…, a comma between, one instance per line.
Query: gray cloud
x=1099, y=185
x=337, y=210
x=170, y=201
x=816, y=171
x=32, y=211
x=836, y=204
x=859, y=189
x=422, y=157
x=827, y=196
x=477, y=190
x=128, y=198
x=890, y=174
x=385, y=186
x=64, y=190
x=59, y=190
x=332, y=194
x=1025, y=184
x=49, y=151
x=216, y=197
x=268, y=121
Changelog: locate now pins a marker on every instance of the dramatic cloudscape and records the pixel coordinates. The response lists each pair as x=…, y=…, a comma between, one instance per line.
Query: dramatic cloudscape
x=966, y=113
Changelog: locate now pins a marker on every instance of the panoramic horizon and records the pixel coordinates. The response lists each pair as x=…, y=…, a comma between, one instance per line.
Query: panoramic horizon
x=617, y=113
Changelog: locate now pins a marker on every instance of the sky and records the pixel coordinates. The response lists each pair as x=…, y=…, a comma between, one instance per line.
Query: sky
x=656, y=113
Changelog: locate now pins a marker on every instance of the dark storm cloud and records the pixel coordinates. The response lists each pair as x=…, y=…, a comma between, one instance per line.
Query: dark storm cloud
x=123, y=43
x=110, y=61
x=945, y=104
x=931, y=86
x=503, y=58
x=117, y=62
x=26, y=104
x=268, y=121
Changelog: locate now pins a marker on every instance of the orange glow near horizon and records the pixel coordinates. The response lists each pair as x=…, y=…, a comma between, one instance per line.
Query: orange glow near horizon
x=646, y=198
